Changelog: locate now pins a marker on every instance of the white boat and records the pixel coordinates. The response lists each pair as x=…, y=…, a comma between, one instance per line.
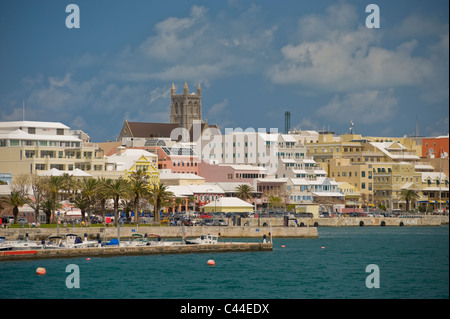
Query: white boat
x=75, y=241
x=204, y=240
x=26, y=245
x=137, y=240
x=4, y=245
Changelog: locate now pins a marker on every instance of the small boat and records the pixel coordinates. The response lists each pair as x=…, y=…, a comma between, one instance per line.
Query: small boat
x=4, y=245
x=75, y=241
x=53, y=242
x=204, y=240
x=26, y=245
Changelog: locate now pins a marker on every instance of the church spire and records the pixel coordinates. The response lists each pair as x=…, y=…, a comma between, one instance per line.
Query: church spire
x=186, y=89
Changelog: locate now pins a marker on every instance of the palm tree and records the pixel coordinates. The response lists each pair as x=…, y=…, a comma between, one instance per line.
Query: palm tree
x=14, y=200
x=53, y=185
x=245, y=191
x=158, y=195
x=409, y=195
x=88, y=191
x=117, y=189
x=101, y=194
x=139, y=189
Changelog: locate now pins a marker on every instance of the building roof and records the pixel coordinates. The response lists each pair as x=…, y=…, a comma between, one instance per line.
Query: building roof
x=21, y=135
x=228, y=202
x=143, y=129
x=18, y=124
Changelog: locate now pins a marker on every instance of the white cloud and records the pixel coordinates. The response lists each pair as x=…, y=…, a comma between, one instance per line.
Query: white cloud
x=335, y=54
x=367, y=107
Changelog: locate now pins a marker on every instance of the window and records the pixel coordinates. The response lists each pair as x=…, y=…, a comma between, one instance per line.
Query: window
x=59, y=131
x=31, y=130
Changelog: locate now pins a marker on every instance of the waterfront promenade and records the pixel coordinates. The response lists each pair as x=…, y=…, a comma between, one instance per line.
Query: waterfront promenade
x=250, y=228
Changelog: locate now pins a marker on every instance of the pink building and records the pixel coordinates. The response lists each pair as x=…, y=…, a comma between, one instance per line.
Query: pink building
x=217, y=173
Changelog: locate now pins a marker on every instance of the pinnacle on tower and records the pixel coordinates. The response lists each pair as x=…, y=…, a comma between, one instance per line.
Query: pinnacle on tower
x=199, y=89
x=186, y=89
x=172, y=90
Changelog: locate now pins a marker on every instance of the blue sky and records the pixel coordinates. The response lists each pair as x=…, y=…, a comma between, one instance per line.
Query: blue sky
x=254, y=59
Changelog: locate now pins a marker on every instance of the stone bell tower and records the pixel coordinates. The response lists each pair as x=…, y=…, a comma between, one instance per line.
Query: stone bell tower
x=186, y=108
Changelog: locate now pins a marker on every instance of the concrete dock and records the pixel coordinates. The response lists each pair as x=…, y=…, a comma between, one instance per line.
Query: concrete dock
x=133, y=251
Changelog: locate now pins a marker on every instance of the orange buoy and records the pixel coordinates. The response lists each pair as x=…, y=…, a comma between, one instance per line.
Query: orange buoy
x=283, y=246
x=323, y=247
x=88, y=258
x=211, y=262
x=40, y=271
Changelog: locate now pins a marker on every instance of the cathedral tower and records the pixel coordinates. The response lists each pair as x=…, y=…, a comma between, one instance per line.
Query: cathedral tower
x=185, y=108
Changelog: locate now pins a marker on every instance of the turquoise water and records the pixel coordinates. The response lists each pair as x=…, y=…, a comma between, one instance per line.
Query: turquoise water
x=413, y=263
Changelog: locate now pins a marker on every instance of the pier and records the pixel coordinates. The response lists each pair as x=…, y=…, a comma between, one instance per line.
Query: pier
x=133, y=251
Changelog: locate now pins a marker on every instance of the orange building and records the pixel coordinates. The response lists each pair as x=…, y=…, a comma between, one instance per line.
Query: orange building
x=435, y=146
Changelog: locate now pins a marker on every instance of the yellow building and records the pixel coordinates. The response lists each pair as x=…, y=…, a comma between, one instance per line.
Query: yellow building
x=391, y=179
x=362, y=150
x=357, y=175
x=127, y=161
x=352, y=196
x=435, y=187
x=34, y=147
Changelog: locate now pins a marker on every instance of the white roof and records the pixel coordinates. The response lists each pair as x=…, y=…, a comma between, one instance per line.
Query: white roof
x=179, y=176
x=288, y=138
x=310, y=161
x=228, y=202
x=180, y=191
x=299, y=181
x=17, y=124
x=56, y=172
x=299, y=171
x=287, y=160
x=424, y=166
x=320, y=171
x=206, y=189
x=230, y=187
x=245, y=167
x=21, y=135
x=433, y=176
x=328, y=194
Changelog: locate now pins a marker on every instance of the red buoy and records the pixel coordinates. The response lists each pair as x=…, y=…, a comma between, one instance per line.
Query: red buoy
x=40, y=271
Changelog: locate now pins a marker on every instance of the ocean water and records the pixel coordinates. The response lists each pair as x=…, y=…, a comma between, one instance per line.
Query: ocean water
x=413, y=263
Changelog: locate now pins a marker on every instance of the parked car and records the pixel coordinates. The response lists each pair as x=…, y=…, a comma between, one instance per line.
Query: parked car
x=206, y=222
x=22, y=220
x=188, y=222
x=205, y=216
x=219, y=222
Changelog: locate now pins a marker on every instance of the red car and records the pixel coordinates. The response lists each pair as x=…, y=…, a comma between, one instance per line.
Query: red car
x=205, y=216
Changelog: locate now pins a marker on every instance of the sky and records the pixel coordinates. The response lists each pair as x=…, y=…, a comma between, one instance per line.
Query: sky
x=255, y=60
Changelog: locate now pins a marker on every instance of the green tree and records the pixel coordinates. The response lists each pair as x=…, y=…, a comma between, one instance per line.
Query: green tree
x=117, y=189
x=14, y=200
x=275, y=201
x=159, y=195
x=245, y=192
x=53, y=185
x=139, y=189
x=409, y=196
x=88, y=191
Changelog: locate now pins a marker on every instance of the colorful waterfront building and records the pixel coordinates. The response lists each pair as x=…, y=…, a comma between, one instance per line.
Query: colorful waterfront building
x=35, y=147
x=127, y=161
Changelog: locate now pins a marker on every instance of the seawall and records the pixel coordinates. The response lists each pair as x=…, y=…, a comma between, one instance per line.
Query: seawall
x=133, y=251
x=164, y=232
